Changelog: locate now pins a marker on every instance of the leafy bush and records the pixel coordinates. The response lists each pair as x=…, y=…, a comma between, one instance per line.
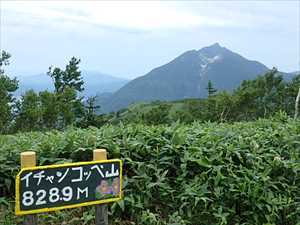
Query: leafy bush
x=209, y=173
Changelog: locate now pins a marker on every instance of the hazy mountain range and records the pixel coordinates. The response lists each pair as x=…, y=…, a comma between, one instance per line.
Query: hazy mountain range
x=94, y=83
x=187, y=76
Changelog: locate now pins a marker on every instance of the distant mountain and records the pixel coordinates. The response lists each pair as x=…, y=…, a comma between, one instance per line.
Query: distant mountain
x=38, y=82
x=186, y=77
x=94, y=83
x=289, y=76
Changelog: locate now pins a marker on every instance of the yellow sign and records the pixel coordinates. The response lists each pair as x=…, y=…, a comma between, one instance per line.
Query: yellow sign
x=49, y=188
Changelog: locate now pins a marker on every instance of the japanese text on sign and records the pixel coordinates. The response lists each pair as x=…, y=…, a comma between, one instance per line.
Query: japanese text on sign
x=48, y=188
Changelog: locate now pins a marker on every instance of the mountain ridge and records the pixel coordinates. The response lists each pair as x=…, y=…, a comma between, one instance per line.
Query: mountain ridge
x=186, y=76
x=94, y=83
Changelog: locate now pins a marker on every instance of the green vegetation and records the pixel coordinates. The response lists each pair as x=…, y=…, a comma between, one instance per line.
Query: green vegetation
x=45, y=110
x=210, y=89
x=263, y=97
x=202, y=173
x=7, y=87
x=183, y=163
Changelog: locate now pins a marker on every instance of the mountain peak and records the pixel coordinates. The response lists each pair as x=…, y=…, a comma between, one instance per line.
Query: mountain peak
x=215, y=45
x=187, y=76
x=214, y=50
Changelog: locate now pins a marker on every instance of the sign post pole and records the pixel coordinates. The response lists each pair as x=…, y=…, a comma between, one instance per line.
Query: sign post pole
x=28, y=159
x=101, y=210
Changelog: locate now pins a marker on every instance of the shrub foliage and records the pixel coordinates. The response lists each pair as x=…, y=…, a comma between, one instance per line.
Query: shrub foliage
x=241, y=173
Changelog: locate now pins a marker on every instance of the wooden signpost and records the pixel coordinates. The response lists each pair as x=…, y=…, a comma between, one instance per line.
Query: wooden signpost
x=28, y=159
x=101, y=210
x=49, y=188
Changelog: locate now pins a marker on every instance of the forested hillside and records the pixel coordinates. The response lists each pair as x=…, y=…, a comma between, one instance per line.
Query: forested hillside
x=263, y=97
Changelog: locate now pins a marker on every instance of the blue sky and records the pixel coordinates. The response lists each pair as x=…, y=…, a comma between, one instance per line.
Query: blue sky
x=128, y=39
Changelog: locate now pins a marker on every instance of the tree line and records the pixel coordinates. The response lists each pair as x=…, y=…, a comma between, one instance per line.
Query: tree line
x=263, y=97
x=45, y=110
x=266, y=96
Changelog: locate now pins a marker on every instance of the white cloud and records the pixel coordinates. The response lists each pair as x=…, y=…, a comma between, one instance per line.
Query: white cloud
x=144, y=16
x=147, y=32
x=139, y=15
